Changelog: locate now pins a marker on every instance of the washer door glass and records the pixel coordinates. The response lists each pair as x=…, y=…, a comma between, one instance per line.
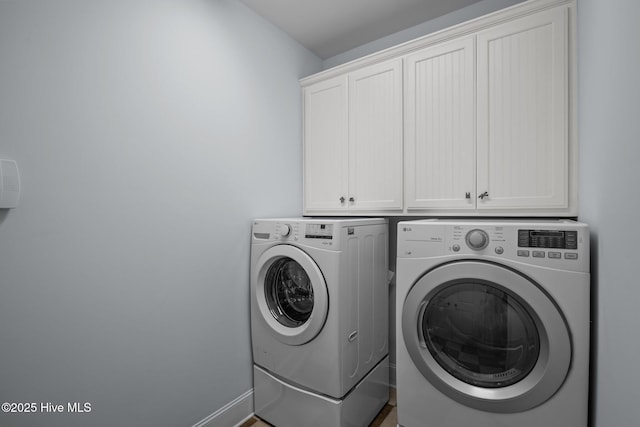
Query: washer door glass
x=480, y=334
x=486, y=336
x=289, y=292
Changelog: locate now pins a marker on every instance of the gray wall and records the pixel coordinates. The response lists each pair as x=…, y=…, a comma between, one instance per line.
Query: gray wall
x=609, y=128
x=148, y=134
x=474, y=10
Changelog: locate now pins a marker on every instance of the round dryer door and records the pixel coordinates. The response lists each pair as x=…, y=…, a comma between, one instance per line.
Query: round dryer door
x=486, y=336
x=291, y=294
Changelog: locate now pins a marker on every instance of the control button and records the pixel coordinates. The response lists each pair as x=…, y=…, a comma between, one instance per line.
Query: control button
x=538, y=254
x=556, y=255
x=499, y=250
x=571, y=239
x=523, y=252
x=570, y=255
x=477, y=239
x=456, y=248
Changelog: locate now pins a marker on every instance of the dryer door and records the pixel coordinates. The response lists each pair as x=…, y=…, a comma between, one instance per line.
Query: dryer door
x=291, y=294
x=486, y=336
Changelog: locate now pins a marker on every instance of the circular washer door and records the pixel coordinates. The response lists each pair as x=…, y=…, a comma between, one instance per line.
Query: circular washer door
x=486, y=336
x=291, y=294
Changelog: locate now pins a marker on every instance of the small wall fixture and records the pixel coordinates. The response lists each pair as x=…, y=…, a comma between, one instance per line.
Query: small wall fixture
x=9, y=184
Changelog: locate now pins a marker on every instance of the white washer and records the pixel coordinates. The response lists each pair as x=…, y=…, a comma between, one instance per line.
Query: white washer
x=492, y=323
x=319, y=320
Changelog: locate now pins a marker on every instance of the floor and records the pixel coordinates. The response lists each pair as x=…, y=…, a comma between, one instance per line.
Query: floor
x=386, y=418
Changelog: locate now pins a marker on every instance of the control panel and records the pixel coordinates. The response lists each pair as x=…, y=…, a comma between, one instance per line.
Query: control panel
x=332, y=234
x=544, y=243
x=317, y=234
x=297, y=231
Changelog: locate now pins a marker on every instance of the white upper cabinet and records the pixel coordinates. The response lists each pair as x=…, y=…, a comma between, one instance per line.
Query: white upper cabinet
x=440, y=164
x=523, y=135
x=475, y=120
x=325, y=145
x=353, y=141
x=375, y=137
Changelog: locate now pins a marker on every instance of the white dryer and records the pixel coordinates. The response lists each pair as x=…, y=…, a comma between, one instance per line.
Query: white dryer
x=493, y=321
x=319, y=320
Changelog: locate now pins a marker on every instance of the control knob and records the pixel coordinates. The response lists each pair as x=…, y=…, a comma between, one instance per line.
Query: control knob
x=477, y=239
x=285, y=230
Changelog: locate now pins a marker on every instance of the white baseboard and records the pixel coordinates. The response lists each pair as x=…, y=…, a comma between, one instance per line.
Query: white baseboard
x=233, y=413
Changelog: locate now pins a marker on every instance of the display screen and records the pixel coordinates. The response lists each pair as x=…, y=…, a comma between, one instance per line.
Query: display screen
x=552, y=239
x=319, y=231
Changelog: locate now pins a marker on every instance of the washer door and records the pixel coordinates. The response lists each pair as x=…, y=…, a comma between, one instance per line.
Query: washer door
x=486, y=336
x=291, y=294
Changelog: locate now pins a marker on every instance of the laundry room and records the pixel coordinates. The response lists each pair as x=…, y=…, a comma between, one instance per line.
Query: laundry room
x=140, y=140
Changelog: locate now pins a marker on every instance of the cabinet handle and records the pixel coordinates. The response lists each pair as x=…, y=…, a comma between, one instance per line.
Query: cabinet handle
x=342, y=199
x=483, y=195
x=467, y=195
x=351, y=199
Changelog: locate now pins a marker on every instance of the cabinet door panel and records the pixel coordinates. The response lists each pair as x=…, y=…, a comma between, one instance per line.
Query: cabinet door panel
x=325, y=145
x=440, y=123
x=523, y=112
x=375, y=137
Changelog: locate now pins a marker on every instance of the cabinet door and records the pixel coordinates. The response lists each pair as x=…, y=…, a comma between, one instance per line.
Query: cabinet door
x=375, y=137
x=440, y=127
x=325, y=145
x=523, y=113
